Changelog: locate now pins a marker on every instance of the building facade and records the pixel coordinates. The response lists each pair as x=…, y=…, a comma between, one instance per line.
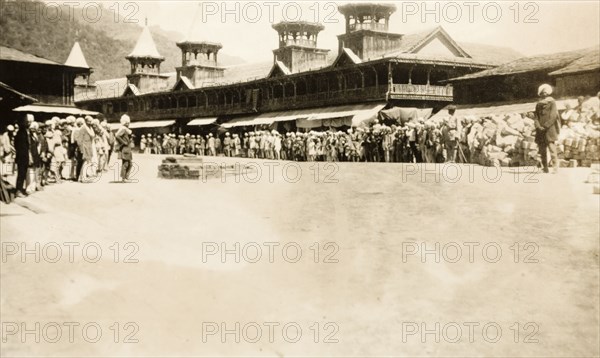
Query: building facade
x=51, y=84
x=372, y=66
x=572, y=74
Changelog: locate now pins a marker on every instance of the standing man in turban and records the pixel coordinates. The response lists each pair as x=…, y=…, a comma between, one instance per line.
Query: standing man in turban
x=547, y=125
x=124, y=140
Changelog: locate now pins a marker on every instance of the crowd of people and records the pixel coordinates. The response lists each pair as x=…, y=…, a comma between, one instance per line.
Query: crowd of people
x=416, y=141
x=79, y=149
x=74, y=149
x=500, y=139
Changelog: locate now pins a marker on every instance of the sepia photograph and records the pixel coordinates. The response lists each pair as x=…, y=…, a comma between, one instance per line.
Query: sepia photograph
x=299, y=178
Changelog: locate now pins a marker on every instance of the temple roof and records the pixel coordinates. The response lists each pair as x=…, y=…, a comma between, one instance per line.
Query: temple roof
x=76, y=57
x=145, y=46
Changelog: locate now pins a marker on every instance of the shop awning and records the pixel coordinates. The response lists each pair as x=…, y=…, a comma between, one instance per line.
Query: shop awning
x=151, y=124
x=198, y=122
x=336, y=116
x=33, y=108
x=247, y=121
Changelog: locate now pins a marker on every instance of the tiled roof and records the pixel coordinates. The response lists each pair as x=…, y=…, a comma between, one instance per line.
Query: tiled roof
x=243, y=73
x=549, y=62
x=115, y=87
x=11, y=54
x=586, y=63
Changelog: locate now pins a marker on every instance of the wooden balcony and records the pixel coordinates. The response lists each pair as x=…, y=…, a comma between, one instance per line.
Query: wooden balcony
x=325, y=99
x=421, y=92
x=321, y=99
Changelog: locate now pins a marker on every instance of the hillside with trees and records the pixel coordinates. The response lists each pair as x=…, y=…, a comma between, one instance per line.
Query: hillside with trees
x=105, y=43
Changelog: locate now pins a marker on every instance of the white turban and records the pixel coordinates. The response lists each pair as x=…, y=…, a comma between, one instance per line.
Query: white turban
x=545, y=88
x=125, y=119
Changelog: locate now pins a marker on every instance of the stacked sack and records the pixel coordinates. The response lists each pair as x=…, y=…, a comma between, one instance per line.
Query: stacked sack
x=579, y=143
x=509, y=140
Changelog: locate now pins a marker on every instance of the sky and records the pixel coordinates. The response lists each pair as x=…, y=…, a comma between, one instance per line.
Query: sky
x=244, y=27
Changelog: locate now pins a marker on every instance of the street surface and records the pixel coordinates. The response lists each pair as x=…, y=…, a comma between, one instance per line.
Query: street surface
x=340, y=263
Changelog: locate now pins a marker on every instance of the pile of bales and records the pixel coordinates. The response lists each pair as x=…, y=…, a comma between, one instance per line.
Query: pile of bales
x=509, y=140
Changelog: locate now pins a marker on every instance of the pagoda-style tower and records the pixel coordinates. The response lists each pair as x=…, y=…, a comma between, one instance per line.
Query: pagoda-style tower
x=367, y=26
x=81, y=83
x=145, y=65
x=77, y=59
x=298, y=50
x=199, y=57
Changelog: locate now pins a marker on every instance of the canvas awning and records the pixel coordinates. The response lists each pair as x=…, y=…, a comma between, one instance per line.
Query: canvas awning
x=406, y=114
x=336, y=116
x=198, y=122
x=33, y=108
x=241, y=122
x=151, y=124
x=500, y=109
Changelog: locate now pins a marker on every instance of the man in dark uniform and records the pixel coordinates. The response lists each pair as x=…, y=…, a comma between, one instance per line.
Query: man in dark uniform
x=547, y=125
x=22, y=155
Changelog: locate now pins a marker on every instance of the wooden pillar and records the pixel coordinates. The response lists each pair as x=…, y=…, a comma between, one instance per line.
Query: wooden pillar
x=376, y=76
x=428, y=75
x=410, y=75
x=362, y=79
